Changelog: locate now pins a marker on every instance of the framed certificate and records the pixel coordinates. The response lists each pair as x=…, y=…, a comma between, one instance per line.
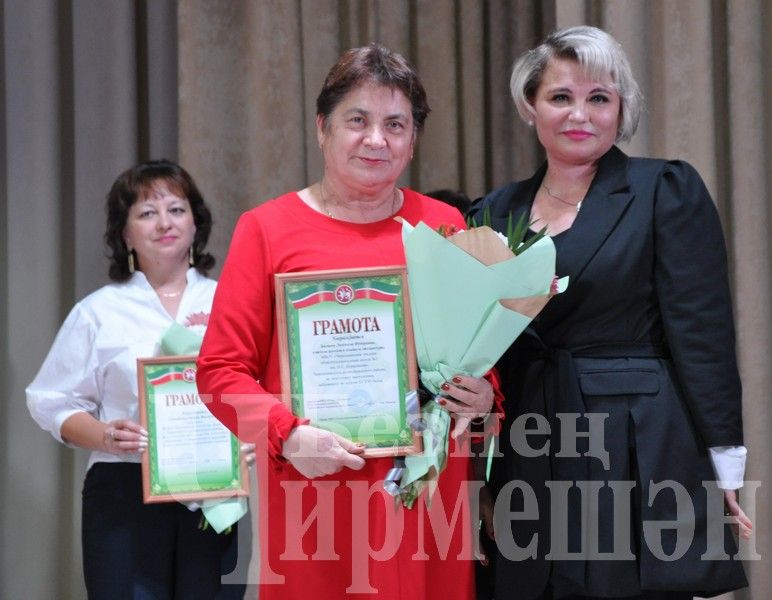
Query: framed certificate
x=348, y=356
x=190, y=454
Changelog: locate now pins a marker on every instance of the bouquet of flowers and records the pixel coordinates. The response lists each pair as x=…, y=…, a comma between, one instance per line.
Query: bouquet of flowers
x=489, y=287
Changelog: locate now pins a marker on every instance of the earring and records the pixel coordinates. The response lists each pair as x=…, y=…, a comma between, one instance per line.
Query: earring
x=191, y=260
x=131, y=261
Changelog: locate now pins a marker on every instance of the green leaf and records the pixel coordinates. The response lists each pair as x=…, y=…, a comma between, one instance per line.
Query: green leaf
x=510, y=231
x=487, y=216
x=515, y=232
x=516, y=236
x=531, y=241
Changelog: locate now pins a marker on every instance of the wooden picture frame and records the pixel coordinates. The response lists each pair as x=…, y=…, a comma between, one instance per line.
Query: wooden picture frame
x=191, y=456
x=347, y=355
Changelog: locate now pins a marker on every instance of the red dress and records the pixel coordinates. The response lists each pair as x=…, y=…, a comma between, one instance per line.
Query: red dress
x=338, y=536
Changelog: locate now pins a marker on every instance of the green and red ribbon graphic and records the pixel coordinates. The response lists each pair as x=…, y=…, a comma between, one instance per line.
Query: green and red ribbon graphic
x=173, y=374
x=344, y=293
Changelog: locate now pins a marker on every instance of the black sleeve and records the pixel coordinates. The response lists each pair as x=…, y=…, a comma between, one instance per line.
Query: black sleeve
x=692, y=286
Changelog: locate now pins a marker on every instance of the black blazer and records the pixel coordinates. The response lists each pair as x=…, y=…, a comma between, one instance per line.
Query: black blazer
x=644, y=333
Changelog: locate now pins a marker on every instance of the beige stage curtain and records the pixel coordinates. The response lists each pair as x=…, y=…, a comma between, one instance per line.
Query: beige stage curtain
x=88, y=87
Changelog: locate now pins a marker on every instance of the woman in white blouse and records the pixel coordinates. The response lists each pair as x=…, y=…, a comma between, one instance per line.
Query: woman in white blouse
x=85, y=394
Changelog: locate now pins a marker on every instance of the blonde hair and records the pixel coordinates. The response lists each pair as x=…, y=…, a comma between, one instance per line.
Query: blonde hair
x=598, y=53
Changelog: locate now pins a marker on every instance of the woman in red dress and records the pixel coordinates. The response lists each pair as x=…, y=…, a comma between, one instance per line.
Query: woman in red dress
x=327, y=528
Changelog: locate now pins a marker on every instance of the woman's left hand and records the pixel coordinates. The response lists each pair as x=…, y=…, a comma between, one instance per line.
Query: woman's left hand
x=466, y=398
x=742, y=524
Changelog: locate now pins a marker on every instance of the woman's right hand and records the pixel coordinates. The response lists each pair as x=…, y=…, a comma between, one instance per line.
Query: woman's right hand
x=316, y=452
x=123, y=436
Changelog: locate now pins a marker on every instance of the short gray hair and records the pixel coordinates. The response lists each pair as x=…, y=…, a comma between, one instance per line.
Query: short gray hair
x=598, y=53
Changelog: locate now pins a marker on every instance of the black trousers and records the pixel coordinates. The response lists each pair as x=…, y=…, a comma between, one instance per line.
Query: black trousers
x=137, y=551
x=547, y=595
x=644, y=596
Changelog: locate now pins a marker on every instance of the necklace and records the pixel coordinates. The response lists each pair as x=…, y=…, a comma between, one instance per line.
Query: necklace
x=577, y=206
x=328, y=212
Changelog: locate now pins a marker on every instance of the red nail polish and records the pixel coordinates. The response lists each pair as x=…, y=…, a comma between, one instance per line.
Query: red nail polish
x=445, y=387
x=456, y=379
x=442, y=402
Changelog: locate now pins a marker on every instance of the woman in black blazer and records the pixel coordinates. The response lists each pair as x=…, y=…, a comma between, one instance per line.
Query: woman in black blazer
x=639, y=352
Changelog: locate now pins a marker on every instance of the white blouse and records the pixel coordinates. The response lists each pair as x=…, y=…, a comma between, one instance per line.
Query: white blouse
x=92, y=367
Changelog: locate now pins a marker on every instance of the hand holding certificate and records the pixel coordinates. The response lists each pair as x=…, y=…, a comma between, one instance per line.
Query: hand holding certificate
x=316, y=452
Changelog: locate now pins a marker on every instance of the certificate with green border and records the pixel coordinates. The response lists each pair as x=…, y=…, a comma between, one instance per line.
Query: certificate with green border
x=348, y=356
x=190, y=454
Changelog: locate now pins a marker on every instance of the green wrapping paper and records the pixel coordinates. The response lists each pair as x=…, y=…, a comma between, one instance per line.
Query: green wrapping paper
x=464, y=319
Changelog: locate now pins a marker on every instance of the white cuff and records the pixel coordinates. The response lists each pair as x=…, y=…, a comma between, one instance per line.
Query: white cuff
x=729, y=466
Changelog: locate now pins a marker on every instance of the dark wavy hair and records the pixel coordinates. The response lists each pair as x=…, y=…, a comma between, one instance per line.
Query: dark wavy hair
x=373, y=63
x=135, y=183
